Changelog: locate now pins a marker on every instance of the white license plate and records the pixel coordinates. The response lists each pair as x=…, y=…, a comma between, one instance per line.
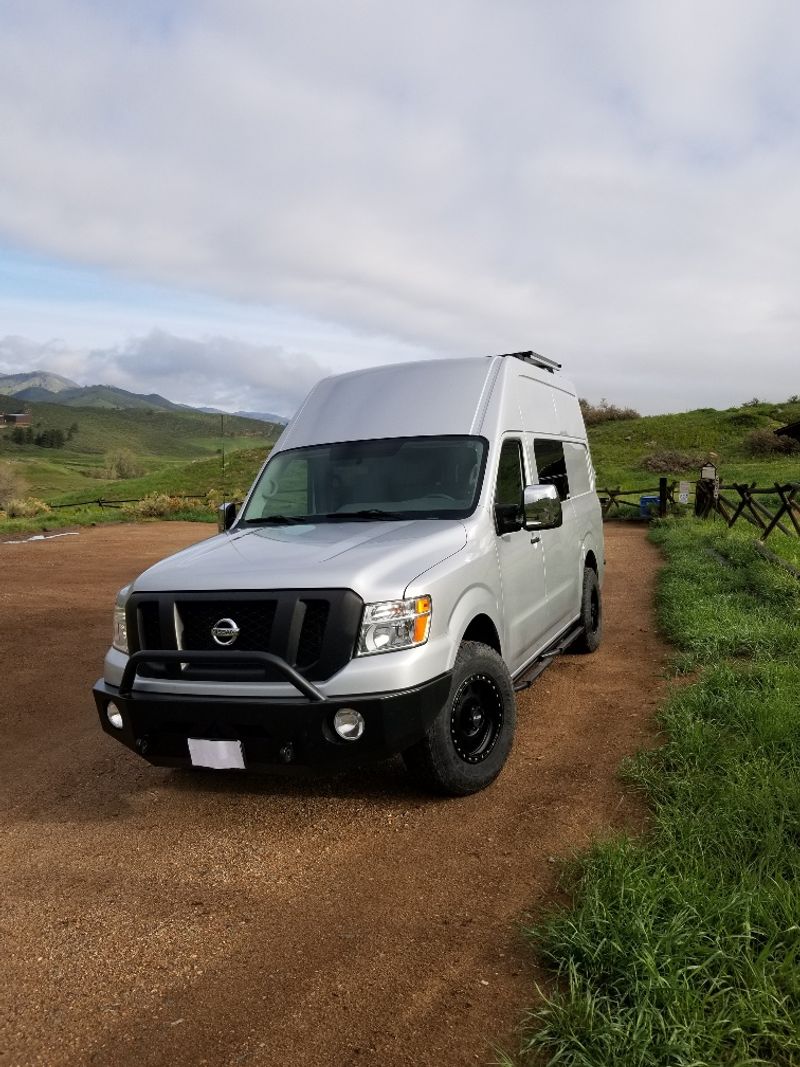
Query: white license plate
x=219, y=755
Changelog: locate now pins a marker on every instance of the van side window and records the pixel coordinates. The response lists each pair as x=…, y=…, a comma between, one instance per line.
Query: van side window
x=578, y=469
x=510, y=481
x=551, y=465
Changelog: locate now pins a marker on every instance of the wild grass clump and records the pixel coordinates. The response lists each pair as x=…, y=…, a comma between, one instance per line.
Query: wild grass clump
x=672, y=461
x=12, y=484
x=767, y=443
x=593, y=414
x=26, y=508
x=122, y=463
x=163, y=506
x=683, y=947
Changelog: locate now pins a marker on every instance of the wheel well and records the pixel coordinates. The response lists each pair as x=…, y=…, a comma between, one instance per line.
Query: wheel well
x=483, y=629
x=591, y=561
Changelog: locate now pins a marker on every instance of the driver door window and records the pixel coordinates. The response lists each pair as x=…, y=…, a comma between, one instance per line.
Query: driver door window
x=510, y=480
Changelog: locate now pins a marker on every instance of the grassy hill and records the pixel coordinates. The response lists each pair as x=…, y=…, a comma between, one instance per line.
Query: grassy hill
x=628, y=452
x=161, y=442
x=177, y=450
x=186, y=479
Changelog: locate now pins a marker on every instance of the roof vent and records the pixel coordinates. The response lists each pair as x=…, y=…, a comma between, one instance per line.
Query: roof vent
x=534, y=358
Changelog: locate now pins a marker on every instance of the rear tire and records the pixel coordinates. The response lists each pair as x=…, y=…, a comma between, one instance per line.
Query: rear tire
x=591, y=618
x=468, y=743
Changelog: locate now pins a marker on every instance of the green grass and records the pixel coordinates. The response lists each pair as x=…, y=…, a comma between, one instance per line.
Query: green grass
x=619, y=448
x=92, y=516
x=177, y=451
x=682, y=947
x=192, y=479
x=195, y=478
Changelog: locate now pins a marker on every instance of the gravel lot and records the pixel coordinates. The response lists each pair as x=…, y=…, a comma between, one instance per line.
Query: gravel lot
x=152, y=916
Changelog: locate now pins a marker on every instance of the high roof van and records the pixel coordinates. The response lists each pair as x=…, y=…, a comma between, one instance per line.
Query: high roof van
x=421, y=542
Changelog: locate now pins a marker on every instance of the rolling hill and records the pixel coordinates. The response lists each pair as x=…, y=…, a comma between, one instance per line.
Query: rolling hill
x=633, y=452
x=14, y=384
x=157, y=439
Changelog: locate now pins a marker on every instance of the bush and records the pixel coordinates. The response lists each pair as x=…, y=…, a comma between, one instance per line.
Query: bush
x=604, y=412
x=666, y=461
x=767, y=443
x=28, y=508
x=122, y=464
x=161, y=506
x=745, y=418
x=12, y=484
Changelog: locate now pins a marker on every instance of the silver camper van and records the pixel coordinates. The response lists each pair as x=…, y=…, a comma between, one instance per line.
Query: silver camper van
x=420, y=543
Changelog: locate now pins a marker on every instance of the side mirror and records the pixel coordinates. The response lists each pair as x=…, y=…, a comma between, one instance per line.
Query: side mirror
x=542, y=507
x=226, y=513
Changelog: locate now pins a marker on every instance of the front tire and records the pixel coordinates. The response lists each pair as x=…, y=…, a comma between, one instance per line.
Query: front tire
x=591, y=614
x=468, y=743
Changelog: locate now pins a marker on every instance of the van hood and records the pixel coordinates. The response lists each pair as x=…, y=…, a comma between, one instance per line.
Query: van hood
x=377, y=560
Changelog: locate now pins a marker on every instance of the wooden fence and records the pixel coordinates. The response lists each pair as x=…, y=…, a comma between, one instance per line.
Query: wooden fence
x=661, y=497
x=768, y=508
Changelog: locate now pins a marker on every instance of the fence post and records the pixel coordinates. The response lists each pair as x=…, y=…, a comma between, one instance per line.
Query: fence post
x=662, y=498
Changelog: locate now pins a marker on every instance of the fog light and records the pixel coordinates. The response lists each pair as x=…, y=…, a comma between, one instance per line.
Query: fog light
x=348, y=724
x=114, y=716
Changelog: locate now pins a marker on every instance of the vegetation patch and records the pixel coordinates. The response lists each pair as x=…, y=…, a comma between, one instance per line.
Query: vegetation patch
x=163, y=506
x=767, y=443
x=594, y=414
x=671, y=461
x=620, y=449
x=683, y=947
x=25, y=508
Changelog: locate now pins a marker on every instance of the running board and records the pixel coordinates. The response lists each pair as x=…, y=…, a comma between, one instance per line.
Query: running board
x=530, y=674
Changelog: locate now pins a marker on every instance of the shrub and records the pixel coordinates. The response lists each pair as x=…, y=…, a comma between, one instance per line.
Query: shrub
x=12, y=484
x=666, y=461
x=26, y=509
x=745, y=418
x=605, y=412
x=767, y=443
x=122, y=464
x=161, y=506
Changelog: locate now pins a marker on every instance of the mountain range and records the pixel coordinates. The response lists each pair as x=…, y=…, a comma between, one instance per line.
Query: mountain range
x=44, y=387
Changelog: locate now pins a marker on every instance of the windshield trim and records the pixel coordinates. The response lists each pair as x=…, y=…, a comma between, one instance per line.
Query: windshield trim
x=341, y=517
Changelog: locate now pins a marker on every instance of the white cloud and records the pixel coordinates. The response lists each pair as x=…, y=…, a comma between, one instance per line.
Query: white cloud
x=215, y=371
x=616, y=185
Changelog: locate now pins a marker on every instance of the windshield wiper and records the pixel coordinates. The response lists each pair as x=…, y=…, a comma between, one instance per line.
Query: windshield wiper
x=279, y=520
x=365, y=513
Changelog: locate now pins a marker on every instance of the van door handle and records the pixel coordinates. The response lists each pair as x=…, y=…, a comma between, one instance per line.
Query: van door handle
x=535, y=539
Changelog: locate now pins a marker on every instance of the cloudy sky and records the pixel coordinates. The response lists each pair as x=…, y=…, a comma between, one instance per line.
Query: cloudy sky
x=222, y=202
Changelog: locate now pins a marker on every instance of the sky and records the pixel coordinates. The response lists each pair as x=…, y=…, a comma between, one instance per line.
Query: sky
x=223, y=203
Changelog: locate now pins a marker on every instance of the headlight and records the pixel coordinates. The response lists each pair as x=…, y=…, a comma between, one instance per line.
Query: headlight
x=394, y=624
x=120, y=641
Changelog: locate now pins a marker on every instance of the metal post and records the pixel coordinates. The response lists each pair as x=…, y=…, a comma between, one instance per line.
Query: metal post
x=662, y=498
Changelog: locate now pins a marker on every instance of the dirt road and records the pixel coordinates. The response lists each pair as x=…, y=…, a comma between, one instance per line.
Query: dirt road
x=154, y=917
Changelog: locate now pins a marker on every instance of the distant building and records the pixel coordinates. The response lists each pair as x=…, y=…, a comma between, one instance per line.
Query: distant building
x=791, y=430
x=22, y=418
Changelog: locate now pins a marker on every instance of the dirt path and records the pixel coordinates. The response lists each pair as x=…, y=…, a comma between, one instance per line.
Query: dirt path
x=151, y=917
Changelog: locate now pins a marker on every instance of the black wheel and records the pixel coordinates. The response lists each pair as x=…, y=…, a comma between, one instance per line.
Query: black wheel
x=591, y=614
x=468, y=743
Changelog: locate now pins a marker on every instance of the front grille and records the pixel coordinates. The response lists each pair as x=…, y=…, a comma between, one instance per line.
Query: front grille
x=309, y=646
x=312, y=630
x=198, y=617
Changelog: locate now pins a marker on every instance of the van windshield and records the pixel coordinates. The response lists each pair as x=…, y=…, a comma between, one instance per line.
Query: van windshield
x=390, y=479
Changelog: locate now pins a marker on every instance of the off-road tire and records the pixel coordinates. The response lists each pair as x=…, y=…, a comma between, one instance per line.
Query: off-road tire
x=469, y=741
x=591, y=618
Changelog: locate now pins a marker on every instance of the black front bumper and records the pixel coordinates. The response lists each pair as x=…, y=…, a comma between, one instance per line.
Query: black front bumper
x=295, y=730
